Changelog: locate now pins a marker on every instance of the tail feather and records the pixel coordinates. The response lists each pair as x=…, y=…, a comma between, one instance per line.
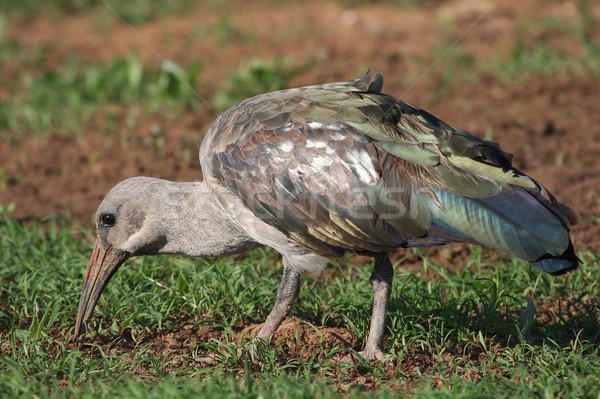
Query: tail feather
x=526, y=223
x=568, y=216
x=558, y=265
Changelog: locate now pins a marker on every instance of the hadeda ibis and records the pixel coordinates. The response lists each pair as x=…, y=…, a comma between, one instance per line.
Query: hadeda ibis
x=317, y=171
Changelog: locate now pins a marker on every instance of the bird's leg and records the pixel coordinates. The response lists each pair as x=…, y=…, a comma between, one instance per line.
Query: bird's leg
x=381, y=281
x=286, y=296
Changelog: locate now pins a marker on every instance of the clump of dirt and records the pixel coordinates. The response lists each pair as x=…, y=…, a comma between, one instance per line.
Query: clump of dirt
x=300, y=339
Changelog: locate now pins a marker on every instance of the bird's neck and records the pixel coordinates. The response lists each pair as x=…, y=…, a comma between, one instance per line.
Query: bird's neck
x=195, y=224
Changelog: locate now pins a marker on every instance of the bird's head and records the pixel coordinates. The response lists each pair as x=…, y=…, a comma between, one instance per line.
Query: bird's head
x=125, y=227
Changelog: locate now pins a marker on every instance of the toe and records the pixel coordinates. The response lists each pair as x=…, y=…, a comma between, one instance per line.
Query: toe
x=372, y=354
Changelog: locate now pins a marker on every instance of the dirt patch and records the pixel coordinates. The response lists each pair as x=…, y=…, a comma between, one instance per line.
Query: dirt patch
x=299, y=338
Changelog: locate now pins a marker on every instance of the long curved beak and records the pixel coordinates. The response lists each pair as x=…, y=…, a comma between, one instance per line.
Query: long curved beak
x=103, y=264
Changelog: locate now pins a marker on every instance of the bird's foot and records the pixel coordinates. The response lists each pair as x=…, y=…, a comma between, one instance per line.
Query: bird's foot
x=372, y=354
x=251, y=332
x=366, y=354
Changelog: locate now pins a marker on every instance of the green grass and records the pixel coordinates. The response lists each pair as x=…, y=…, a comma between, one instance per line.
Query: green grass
x=453, y=330
x=67, y=98
x=547, y=47
x=520, y=66
x=257, y=76
x=400, y=3
x=132, y=12
x=541, y=60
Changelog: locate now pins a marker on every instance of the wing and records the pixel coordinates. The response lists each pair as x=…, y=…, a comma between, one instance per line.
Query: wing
x=324, y=187
x=342, y=166
x=409, y=133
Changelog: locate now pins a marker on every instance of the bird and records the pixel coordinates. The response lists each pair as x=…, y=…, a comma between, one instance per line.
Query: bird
x=319, y=171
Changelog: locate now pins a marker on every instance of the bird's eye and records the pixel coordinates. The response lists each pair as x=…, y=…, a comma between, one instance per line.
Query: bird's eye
x=108, y=219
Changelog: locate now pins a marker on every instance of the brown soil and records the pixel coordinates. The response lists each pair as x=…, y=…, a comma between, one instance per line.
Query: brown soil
x=551, y=124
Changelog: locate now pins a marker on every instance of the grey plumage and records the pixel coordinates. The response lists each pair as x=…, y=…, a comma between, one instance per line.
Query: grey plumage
x=320, y=170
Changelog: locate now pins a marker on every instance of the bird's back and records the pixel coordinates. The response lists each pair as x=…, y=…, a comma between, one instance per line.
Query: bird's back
x=342, y=166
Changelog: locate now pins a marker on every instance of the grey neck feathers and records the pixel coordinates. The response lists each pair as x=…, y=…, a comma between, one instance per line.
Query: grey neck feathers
x=195, y=224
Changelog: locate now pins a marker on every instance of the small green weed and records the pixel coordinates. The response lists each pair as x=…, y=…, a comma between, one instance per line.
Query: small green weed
x=543, y=60
x=66, y=98
x=132, y=12
x=256, y=77
x=399, y=3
